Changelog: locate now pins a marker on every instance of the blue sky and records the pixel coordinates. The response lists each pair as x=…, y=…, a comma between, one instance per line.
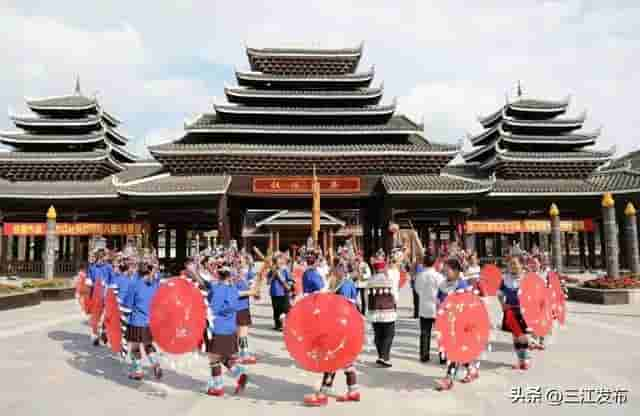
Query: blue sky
x=156, y=63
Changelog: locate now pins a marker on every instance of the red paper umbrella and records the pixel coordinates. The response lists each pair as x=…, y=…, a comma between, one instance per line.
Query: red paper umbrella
x=535, y=304
x=558, y=303
x=82, y=293
x=324, y=332
x=177, y=316
x=463, y=324
x=404, y=278
x=490, y=279
x=298, y=271
x=97, y=305
x=112, y=321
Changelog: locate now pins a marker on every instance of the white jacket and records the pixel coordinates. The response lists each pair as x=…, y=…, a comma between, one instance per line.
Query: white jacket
x=426, y=285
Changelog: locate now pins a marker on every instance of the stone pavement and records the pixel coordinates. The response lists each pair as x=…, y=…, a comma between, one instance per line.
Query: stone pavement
x=48, y=367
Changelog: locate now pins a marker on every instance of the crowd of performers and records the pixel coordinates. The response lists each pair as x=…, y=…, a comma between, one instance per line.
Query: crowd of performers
x=228, y=279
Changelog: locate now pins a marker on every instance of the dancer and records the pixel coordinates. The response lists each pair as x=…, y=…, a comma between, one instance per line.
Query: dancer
x=427, y=283
x=512, y=319
x=244, y=281
x=344, y=286
x=281, y=284
x=139, y=297
x=382, y=301
x=453, y=283
x=223, y=297
x=99, y=270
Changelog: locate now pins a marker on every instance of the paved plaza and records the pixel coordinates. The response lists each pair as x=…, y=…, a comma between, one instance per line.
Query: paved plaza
x=48, y=366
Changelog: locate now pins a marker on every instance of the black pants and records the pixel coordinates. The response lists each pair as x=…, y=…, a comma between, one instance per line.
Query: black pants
x=416, y=304
x=363, y=300
x=383, y=338
x=425, y=337
x=280, y=306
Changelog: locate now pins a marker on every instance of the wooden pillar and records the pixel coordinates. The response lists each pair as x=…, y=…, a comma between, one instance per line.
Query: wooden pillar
x=325, y=244
x=271, y=241
x=567, y=251
x=331, y=241
x=153, y=235
x=277, y=240
x=603, y=245
x=224, y=229
x=631, y=238
x=3, y=245
x=181, y=244
x=611, y=235
x=591, y=246
x=556, y=243
x=498, y=247
x=583, y=254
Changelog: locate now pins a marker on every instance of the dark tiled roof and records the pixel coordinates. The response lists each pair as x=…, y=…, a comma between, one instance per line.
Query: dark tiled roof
x=51, y=156
x=547, y=186
x=620, y=180
x=36, y=120
x=22, y=137
x=385, y=108
x=310, y=51
x=259, y=76
x=539, y=103
x=558, y=156
x=311, y=93
x=552, y=122
x=208, y=122
x=578, y=138
x=435, y=184
x=58, y=189
x=168, y=185
x=467, y=170
x=265, y=149
x=140, y=170
x=65, y=101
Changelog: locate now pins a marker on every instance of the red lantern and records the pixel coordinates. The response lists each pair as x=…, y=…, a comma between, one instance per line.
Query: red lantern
x=112, y=321
x=558, y=303
x=177, y=316
x=463, y=324
x=324, y=332
x=490, y=279
x=97, y=305
x=535, y=304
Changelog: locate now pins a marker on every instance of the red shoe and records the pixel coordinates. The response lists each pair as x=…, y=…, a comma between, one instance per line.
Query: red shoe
x=316, y=400
x=444, y=384
x=157, y=372
x=249, y=360
x=215, y=392
x=241, y=384
x=352, y=396
x=471, y=376
x=525, y=365
x=138, y=375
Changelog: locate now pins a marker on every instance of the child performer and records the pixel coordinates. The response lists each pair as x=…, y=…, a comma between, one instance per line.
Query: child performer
x=223, y=297
x=139, y=297
x=454, y=282
x=121, y=282
x=244, y=279
x=512, y=319
x=382, y=303
x=313, y=283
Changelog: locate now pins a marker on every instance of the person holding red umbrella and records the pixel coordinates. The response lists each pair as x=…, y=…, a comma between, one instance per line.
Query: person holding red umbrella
x=344, y=286
x=139, y=297
x=453, y=283
x=223, y=299
x=513, y=320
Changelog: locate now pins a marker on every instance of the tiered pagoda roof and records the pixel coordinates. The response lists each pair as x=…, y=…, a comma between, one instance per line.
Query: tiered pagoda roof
x=65, y=138
x=532, y=139
x=297, y=108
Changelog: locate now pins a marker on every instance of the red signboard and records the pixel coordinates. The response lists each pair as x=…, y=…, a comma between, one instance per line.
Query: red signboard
x=79, y=228
x=526, y=226
x=302, y=185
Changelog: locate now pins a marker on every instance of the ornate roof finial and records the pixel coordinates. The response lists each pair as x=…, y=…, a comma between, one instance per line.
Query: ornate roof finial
x=76, y=89
x=630, y=210
x=554, y=211
x=51, y=213
x=519, y=89
x=607, y=200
